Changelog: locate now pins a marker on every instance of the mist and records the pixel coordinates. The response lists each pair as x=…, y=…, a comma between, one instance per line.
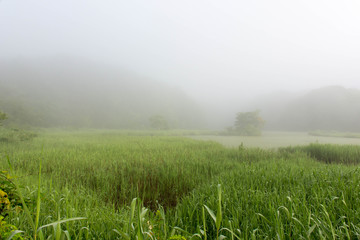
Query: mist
x=64, y=92
x=114, y=64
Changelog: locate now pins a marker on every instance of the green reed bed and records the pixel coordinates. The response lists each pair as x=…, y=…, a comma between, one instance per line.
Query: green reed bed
x=284, y=199
x=329, y=153
x=335, y=134
x=119, y=168
x=281, y=194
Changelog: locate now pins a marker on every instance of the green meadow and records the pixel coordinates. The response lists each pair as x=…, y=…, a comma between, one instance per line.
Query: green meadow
x=143, y=185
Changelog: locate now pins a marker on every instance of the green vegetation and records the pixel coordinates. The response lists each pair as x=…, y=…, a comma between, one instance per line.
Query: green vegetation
x=109, y=185
x=15, y=135
x=274, y=140
x=158, y=122
x=328, y=153
x=335, y=134
x=3, y=117
x=247, y=124
x=9, y=202
x=8, y=134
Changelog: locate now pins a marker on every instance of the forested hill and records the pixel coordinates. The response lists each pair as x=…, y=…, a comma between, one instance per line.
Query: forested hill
x=66, y=92
x=328, y=108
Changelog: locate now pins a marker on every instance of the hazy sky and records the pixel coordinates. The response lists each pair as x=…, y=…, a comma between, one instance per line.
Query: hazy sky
x=212, y=49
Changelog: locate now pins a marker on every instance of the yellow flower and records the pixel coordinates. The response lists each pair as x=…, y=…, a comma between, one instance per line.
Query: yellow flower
x=4, y=201
x=3, y=194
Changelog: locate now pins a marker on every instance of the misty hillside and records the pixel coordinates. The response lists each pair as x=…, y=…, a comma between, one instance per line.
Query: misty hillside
x=328, y=108
x=64, y=92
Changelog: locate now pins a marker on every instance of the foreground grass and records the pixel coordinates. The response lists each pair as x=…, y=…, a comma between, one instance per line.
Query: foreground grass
x=265, y=194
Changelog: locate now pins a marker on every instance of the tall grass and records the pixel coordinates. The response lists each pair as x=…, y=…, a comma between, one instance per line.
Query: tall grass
x=161, y=187
x=335, y=134
x=329, y=153
x=288, y=199
x=118, y=169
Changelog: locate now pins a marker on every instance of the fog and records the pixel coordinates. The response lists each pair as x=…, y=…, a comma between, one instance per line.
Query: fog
x=221, y=56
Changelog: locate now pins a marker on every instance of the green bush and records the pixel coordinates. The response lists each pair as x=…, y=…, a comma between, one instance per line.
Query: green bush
x=246, y=124
x=9, y=198
x=7, y=229
x=9, y=201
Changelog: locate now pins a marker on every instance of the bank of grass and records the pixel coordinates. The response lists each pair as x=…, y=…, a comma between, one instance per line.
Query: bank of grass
x=15, y=135
x=272, y=140
x=328, y=153
x=126, y=132
x=284, y=194
x=335, y=134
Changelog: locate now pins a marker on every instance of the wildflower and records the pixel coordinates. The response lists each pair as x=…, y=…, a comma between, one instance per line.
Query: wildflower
x=4, y=201
x=150, y=226
x=3, y=194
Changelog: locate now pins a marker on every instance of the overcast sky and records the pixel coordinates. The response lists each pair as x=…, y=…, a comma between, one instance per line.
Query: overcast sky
x=211, y=49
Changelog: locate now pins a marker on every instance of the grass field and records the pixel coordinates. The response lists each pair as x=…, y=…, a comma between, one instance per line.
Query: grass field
x=125, y=186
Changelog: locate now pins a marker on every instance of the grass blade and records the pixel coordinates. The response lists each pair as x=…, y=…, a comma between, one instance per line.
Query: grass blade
x=219, y=212
x=61, y=221
x=38, y=202
x=27, y=212
x=13, y=234
x=212, y=215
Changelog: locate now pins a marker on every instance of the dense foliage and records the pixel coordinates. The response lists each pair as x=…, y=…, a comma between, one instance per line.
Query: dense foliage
x=9, y=202
x=247, y=124
x=262, y=194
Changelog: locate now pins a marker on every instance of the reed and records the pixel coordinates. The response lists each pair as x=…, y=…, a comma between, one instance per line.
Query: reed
x=103, y=185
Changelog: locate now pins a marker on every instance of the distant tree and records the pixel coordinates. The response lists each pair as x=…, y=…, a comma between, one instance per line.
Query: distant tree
x=3, y=116
x=248, y=124
x=158, y=122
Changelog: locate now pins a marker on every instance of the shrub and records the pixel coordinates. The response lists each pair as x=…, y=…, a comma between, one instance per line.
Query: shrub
x=9, y=201
x=247, y=124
